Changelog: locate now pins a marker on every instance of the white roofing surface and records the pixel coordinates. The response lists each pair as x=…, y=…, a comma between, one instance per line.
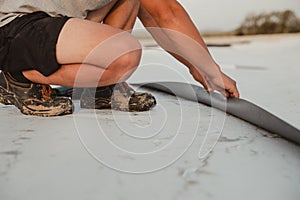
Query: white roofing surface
x=105, y=155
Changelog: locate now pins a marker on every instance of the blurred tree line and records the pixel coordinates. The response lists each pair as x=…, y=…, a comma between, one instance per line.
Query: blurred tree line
x=270, y=23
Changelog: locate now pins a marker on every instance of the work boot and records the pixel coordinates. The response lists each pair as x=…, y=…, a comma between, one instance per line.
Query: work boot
x=118, y=97
x=32, y=98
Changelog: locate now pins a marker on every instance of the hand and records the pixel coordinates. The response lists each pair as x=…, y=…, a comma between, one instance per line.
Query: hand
x=219, y=82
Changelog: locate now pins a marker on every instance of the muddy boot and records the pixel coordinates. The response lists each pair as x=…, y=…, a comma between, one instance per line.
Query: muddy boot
x=32, y=98
x=118, y=97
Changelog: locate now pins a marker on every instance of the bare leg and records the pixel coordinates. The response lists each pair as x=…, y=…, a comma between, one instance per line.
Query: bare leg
x=86, y=76
x=123, y=15
x=105, y=51
x=120, y=14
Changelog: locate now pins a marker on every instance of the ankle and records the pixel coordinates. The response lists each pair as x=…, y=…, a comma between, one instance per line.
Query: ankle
x=18, y=77
x=11, y=81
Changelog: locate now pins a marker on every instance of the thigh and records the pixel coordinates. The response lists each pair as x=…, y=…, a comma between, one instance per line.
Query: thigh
x=84, y=41
x=29, y=42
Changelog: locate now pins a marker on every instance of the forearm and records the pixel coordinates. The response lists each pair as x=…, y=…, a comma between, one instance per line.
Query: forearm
x=179, y=36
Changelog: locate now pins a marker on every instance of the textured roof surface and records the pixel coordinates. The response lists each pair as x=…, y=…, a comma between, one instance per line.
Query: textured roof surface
x=94, y=155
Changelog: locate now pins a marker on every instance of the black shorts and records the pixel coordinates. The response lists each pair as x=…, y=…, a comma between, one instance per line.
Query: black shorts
x=29, y=43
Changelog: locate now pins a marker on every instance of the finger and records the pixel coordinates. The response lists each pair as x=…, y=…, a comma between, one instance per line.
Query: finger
x=217, y=88
x=233, y=92
x=206, y=83
x=220, y=88
x=210, y=87
x=224, y=93
x=236, y=93
x=230, y=87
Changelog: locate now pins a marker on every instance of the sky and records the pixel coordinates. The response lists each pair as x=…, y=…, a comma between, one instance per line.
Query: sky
x=226, y=15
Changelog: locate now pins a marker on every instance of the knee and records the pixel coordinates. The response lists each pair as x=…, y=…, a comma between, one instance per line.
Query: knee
x=128, y=62
x=132, y=53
